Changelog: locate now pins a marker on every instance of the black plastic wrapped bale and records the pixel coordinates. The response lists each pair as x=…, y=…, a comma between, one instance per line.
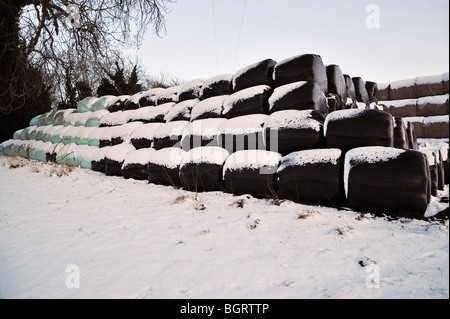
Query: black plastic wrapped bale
x=98, y=160
x=190, y=90
x=311, y=176
x=148, y=98
x=154, y=114
x=334, y=102
x=201, y=169
x=216, y=86
x=249, y=101
x=347, y=129
x=202, y=133
x=412, y=138
x=384, y=91
x=372, y=91
x=259, y=73
x=429, y=86
x=243, y=133
x=105, y=137
x=208, y=109
x=402, y=108
x=307, y=67
x=433, y=105
x=164, y=167
x=136, y=164
x=169, y=95
x=386, y=180
x=436, y=127
x=360, y=90
x=337, y=85
x=403, y=89
x=350, y=87
x=291, y=130
x=400, y=134
x=117, y=104
x=142, y=137
x=132, y=103
x=298, y=96
x=181, y=111
x=123, y=133
x=114, y=158
x=251, y=172
x=169, y=134
x=434, y=169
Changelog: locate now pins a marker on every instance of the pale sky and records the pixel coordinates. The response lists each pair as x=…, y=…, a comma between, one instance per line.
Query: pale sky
x=205, y=38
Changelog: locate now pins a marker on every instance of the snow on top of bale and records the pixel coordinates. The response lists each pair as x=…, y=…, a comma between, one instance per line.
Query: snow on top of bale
x=154, y=112
x=402, y=83
x=429, y=79
x=217, y=79
x=437, y=99
x=142, y=156
x=212, y=105
x=97, y=133
x=368, y=155
x=103, y=102
x=244, y=124
x=251, y=159
x=194, y=85
x=342, y=115
x=206, y=127
x=399, y=103
x=82, y=118
x=294, y=119
x=283, y=90
x=170, y=93
x=414, y=119
x=243, y=95
x=146, y=131
x=176, y=128
x=383, y=86
x=125, y=131
x=85, y=105
x=303, y=158
x=85, y=132
x=436, y=119
x=182, y=109
x=205, y=155
x=119, y=152
x=168, y=157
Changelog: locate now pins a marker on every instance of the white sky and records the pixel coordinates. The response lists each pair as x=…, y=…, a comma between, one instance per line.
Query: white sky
x=412, y=39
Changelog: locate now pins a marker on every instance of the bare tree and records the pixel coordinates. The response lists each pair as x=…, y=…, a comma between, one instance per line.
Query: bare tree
x=46, y=34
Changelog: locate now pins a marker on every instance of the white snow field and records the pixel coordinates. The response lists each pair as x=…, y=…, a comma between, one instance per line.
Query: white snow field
x=130, y=239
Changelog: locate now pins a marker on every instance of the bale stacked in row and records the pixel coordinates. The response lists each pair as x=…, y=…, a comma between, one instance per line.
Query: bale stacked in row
x=271, y=129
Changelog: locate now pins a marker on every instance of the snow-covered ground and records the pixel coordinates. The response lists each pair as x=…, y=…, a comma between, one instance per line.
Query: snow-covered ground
x=130, y=239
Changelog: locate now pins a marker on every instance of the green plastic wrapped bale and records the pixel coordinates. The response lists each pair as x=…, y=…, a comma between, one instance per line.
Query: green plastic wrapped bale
x=70, y=134
x=16, y=134
x=82, y=118
x=85, y=105
x=42, y=150
x=34, y=146
x=49, y=132
x=40, y=133
x=70, y=119
x=58, y=134
x=25, y=134
x=94, y=119
x=83, y=155
x=65, y=155
x=94, y=137
x=34, y=121
x=83, y=135
x=103, y=102
x=60, y=116
x=42, y=119
x=6, y=148
x=24, y=149
x=49, y=120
